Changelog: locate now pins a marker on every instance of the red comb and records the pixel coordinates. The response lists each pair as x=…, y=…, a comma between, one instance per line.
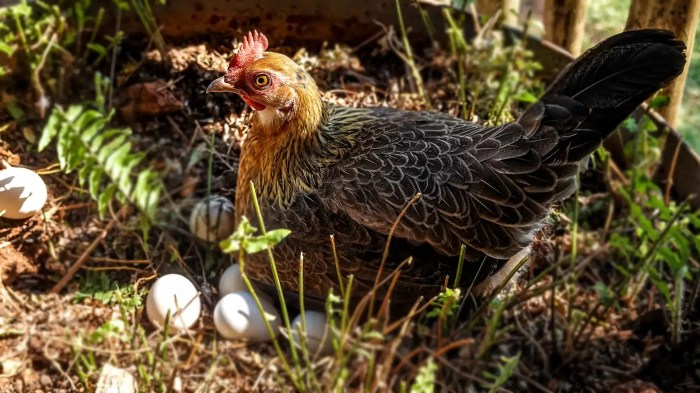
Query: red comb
x=254, y=44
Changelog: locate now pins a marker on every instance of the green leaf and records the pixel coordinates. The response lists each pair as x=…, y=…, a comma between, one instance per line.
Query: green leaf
x=116, y=161
x=96, y=143
x=260, y=243
x=146, y=193
x=695, y=219
x=97, y=48
x=244, y=229
x=14, y=110
x=95, y=181
x=660, y=283
x=425, y=379
x=682, y=244
x=373, y=335
x=83, y=144
x=84, y=172
x=630, y=124
x=125, y=178
x=658, y=203
x=525, y=96
x=198, y=153
x=105, y=198
x=63, y=148
x=76, y=155
x=6, y=48
x=230, y=245
x=110, y=147
x=645, y=224
x=671, y=258
x=72, y=114
x=50, y=129
x=659, y=101
x=605, y=294
x=90, y=124
x=243, y=238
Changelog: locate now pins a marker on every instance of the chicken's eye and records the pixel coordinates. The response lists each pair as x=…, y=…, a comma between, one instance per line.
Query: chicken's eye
x=262, y=80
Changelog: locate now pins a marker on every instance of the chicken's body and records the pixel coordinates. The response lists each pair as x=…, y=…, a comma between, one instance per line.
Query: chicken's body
x=323, y=170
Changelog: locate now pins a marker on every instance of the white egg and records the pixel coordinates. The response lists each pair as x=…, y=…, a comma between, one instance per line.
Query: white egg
x=212, y=219
x=22, y=193
x=236, y=316
x=318, y=333
x=175, y=294
x=231, y=281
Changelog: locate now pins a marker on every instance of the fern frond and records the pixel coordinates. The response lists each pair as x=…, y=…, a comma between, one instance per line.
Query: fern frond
x=103, y=158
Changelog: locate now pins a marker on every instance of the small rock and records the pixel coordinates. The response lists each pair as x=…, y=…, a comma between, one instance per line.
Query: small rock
x=115, y=380
x=11, y=366
x=45, y=380
x=177, y=384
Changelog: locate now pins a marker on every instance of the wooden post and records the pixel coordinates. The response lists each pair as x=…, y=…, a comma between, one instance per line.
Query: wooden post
x=509, y=9
x=679, y=16
x=564, y=23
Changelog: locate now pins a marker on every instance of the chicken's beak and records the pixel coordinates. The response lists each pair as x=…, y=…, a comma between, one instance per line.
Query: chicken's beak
x=220, y=86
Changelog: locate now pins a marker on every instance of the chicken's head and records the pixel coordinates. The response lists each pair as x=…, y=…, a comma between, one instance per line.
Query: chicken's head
x=270, y=83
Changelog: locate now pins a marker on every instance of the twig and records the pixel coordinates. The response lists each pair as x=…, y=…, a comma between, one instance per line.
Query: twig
x=416, y=310
x=86, y=254
x=113, y=66
x=35, y=77
x=369, y=40
x=618, y=172
x=387, y=297
x=453, y=345
x=409, y=55
x=385, y=254
x=57, y=366
x=75, y=206
x=337, y=267
x=672, y=171
x=532, y=382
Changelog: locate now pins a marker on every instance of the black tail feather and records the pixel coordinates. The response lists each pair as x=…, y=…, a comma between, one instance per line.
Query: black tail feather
x=595, y=93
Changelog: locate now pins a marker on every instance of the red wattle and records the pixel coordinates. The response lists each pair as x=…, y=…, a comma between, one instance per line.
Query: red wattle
x=253, y=104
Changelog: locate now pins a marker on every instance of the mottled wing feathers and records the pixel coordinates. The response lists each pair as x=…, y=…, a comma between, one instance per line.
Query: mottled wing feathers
x=482, y=187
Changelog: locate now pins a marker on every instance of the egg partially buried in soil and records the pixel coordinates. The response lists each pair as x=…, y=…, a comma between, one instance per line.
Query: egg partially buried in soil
x=22, y=193
x=236, y=316
x=212, y=219
x=318, y=334
x=175, y=294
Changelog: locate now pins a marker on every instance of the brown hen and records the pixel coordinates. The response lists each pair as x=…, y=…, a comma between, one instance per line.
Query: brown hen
x=322, y=169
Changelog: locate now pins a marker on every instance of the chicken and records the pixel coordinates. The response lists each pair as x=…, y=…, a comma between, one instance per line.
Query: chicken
x=320, y=169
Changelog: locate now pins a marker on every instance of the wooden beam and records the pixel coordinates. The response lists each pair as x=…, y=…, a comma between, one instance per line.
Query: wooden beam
x=679, y=16
x=564, y=23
